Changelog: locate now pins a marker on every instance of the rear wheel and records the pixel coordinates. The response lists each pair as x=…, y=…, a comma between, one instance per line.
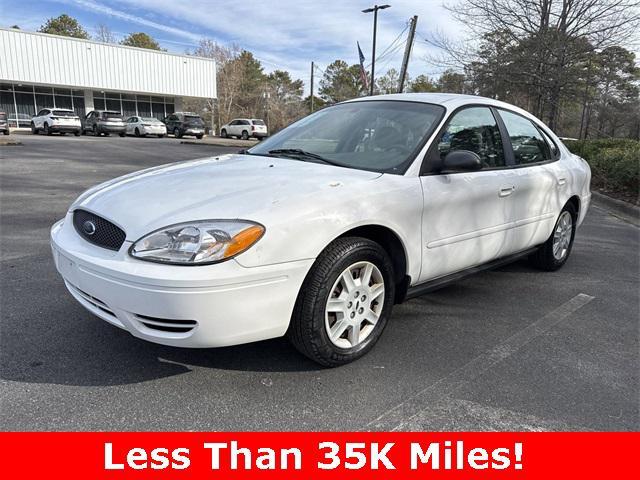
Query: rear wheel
x=136, y=132
x=160, y=135
x=223, y=133
x=554, y=253
x=46, y=129
x=245, y=135
x=344, y=303
x=122, y=134
x=77, y=133
x=6, y=132
x=95, y=131
x=199, y=137
x=63, y=133
x=176, y=133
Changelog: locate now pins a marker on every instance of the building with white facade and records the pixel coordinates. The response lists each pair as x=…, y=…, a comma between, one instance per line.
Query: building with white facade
x=39, y=71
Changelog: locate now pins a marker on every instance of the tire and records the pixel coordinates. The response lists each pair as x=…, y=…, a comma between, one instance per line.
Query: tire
x=96, y=133
x=176, y=133
x=77, y=133
x=160, y=135
x=223, y=133
x=106, y=134
x=121, y=134
x=46, y=130
x=311, y=322
x=6, y=132
x=549, y=258
x=199, y=137
x=136, y=132
x=34, y=130
x=245, y=135
x=63, y=133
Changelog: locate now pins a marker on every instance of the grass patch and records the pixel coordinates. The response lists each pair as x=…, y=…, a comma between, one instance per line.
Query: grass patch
x=615, y=165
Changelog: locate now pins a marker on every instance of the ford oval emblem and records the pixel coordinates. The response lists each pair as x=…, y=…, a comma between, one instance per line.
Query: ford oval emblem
x=89, y=227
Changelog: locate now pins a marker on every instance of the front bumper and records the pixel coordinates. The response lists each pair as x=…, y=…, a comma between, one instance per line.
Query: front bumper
x=205, y=306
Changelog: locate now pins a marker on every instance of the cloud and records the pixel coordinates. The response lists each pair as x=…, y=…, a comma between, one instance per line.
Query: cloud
x=284, y=34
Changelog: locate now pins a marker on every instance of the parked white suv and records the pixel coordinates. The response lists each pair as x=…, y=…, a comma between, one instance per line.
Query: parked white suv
x=316, y=232
x=60, y=120
x=244, y=128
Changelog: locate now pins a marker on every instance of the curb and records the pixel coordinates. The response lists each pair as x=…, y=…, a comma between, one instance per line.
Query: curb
x=625, y=210
x=213, y=143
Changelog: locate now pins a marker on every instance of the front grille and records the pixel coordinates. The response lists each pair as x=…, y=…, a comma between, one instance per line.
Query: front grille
x=97, y=230
x=167, y=325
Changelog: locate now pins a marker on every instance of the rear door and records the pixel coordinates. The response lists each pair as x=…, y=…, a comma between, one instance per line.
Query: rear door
x=466, y=215
x=536, y=184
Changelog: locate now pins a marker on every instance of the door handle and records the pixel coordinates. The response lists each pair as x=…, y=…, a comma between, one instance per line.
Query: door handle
x=506, y=191
x=562, y=181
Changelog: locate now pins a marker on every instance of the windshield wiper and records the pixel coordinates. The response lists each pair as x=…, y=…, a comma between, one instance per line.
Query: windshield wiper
x=298, y=152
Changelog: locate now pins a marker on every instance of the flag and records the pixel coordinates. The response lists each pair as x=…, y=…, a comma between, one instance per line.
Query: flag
x=363, y=73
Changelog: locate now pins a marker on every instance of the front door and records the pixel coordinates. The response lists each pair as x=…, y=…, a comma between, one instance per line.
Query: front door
x=466, y=215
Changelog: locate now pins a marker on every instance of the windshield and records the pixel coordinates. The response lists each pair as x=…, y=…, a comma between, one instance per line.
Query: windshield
x=63, y=113
x=377, y=135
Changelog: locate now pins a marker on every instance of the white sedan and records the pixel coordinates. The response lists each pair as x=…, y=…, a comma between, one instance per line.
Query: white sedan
x=143, y=126
x=318, y=231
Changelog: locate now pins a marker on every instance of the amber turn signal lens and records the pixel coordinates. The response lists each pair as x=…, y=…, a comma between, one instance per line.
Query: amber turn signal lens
x=244, y=239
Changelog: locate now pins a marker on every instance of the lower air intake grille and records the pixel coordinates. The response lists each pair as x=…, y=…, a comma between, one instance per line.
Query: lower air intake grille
x=97, y=230
x=167, y=325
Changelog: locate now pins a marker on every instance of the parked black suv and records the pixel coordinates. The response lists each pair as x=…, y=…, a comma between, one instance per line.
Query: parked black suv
x=184, y=123
x=104, y=121
x=4, y=125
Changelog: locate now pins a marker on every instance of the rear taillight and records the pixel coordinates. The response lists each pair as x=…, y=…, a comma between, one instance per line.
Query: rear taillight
x=54, y=118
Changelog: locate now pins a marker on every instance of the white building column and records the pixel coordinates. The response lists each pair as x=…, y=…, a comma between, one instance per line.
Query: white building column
x=177, y=102
x=88, y=101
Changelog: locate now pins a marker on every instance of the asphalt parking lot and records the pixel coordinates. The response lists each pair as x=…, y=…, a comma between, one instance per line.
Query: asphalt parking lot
x=511, y=349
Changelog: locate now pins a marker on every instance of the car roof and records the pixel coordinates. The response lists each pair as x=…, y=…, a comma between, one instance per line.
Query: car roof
x=450, y=101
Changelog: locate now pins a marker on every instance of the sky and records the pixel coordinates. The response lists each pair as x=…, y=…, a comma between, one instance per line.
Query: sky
x=282, y=34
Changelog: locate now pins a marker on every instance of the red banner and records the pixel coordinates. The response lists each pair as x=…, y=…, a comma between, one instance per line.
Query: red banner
x=319, y=456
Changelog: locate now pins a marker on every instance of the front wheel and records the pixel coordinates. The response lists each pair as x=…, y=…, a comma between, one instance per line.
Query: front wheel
x=46, y=129
x=176, y=133
x=344, y=302
x=34, y=130
x=199, y=137
x=77, y=133
x=223, y=133
x=122, y=134
x=245, y=135
x=160, y=135
x=554, y=253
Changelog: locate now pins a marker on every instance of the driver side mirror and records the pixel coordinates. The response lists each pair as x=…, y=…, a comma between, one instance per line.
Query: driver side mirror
x=461, y=161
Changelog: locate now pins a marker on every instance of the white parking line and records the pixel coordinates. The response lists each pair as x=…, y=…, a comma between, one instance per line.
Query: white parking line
x=396, y=417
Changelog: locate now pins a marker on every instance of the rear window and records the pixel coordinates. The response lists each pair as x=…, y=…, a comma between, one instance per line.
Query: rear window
x=63, y=113
x=150, y=120
x=112, y=115
x=193, y=119
x=258, y=122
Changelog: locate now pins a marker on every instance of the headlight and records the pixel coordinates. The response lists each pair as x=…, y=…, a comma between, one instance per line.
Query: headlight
x=198, y=243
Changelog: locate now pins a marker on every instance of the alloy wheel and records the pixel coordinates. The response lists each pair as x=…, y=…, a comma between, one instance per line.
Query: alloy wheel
x=354, y=305
x=562, y=235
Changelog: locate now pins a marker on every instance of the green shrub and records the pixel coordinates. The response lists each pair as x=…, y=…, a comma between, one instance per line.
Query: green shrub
x=615, y=164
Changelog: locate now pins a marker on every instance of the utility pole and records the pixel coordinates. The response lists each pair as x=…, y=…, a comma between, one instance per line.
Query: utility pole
x=312, y=67
x=374, y=9
x=413, y=22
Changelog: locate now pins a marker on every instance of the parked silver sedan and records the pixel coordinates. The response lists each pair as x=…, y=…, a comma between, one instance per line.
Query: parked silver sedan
x=143, y=126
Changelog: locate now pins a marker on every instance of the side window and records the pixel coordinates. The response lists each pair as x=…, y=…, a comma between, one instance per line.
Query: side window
x=555, y=151
x=474, y=129
x=529, y=146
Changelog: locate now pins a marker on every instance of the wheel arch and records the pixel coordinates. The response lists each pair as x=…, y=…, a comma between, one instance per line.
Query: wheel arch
x=575, y=201
x=393, y=245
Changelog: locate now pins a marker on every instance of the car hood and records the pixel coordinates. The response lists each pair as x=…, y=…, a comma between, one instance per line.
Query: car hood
x=224, y=187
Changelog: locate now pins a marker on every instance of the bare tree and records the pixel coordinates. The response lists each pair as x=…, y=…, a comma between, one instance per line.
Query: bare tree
x=555, y=38
x=104, y=34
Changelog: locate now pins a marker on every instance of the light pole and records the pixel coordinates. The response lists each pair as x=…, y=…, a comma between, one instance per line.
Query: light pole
x=374, y=9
